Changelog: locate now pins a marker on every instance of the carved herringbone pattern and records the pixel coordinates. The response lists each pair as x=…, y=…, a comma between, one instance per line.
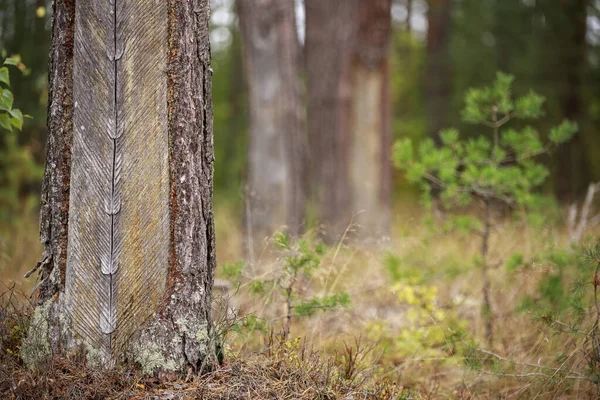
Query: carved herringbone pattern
x=119, y=214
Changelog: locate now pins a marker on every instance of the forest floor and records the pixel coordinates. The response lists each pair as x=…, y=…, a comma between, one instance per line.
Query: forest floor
x=412, y=328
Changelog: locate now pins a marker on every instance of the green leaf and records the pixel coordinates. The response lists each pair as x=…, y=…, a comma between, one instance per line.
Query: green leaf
x=11, y=61
x=5, y=120
x=17, y=118
x=4, y=78
x=6, y=99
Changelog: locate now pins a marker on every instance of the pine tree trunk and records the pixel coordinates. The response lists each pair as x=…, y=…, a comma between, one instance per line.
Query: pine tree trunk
x=276, y=182
x=328, y=55
x=126, y=216
x=573, y=174
x=370, y=170
x=347, y=50
x=437, y=76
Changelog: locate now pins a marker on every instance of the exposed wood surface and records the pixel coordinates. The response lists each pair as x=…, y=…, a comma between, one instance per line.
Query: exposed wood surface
x=119, y=235
x=129, y=180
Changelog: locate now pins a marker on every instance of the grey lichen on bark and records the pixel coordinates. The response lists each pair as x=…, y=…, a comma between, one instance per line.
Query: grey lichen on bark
x=155, y=306
x=182, y=335
x=46, y=327
x=36, y=349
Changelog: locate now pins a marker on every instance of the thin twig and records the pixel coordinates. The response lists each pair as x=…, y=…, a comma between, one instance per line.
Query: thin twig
x=499, y=357
x=530, y=374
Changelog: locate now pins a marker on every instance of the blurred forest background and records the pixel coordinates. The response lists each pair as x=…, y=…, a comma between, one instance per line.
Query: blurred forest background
x=426, y=55
x=438, y=50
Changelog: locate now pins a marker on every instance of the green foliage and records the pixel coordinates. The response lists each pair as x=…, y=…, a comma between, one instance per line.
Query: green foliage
x=10, y=117
x=317, y=303
x=250, y=323
x=427, y=329
x=561, y=288
x=514, y=262
x=462, y=223
x=299, y=257
x=17, y=165
x=287, y=284
x=500, y=166
x=233, y=270
x=591, y=255
x=392, y=264
x=567, y=316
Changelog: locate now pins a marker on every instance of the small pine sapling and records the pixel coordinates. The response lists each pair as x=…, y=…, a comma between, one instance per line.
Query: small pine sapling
x=486, y=171
x=300, y=260
x=577, y=356
x=288, y=282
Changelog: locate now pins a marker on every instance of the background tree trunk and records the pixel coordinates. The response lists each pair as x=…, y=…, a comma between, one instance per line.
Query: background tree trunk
x=276, y=182
x=573, y=172
x=329, y=39
x=126, y=216
x=347, y=49
x=370, y=165
x=437, y=76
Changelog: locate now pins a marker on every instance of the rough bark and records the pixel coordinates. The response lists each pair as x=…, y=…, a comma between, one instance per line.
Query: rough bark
x=437, y=75
x=57, y=175
x=45, y=331
x=347, y=49
x=182, y=333
x=276, y=181
x=143, y=147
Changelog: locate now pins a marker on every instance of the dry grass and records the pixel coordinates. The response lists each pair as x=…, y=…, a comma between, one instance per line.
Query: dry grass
x=285, y=370
x=20, y=250
x=254, y=377
x=256, y=368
